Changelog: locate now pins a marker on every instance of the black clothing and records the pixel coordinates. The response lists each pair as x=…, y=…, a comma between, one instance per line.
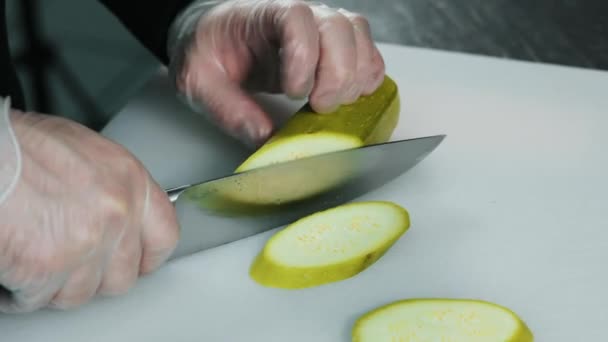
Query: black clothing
x=148, y=21
x=9, y=83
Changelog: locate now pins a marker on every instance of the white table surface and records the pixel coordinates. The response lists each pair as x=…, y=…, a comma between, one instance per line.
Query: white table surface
x=511, y=208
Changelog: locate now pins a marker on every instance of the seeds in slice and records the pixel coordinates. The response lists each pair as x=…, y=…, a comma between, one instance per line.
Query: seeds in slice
x=330, y=245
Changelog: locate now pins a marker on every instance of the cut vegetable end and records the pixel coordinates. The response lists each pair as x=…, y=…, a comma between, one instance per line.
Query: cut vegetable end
x=452, y=320
x=279, y=188
x=330, y=245
x=369, y=120
x=299, y=146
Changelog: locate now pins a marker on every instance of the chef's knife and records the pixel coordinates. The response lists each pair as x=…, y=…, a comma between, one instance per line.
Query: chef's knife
x=237, y=206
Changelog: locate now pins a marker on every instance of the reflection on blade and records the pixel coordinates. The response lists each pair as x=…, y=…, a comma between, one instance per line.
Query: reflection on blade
x=240, y=205
x=280, y=187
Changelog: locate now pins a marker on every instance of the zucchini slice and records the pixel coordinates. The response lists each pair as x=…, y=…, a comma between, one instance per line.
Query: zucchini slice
x=441, y=320
x=330, y=245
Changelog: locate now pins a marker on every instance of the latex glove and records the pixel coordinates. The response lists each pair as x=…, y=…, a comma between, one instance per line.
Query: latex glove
x=222, y=50
x=84, y=218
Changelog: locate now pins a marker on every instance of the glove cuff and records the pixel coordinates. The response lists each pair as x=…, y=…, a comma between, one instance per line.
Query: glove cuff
x=182, y=32
x=10, y=155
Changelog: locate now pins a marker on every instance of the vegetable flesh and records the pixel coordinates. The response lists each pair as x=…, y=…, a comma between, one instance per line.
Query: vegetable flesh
x=277, y=187
x=370, y=119
x=449, y=320
x=330, y=245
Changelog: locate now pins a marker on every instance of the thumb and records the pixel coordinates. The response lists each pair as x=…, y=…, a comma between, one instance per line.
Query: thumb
x=228, y=106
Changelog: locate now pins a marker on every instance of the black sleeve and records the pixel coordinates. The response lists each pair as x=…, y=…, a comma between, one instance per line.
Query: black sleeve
x=148, y=20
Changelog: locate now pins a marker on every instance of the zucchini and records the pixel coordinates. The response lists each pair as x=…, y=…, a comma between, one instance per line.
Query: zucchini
x=441, y=320
x=370, y=119
x=330, y=245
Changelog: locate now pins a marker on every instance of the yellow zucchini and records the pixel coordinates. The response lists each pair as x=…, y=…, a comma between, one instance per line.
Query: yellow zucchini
x=330, y=245
x=370, y=119
x=441, y=320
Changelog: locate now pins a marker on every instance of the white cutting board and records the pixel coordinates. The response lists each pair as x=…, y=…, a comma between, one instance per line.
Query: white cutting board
x=511, y=208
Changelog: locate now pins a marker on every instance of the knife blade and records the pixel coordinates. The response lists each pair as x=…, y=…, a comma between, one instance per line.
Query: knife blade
x=234, y=207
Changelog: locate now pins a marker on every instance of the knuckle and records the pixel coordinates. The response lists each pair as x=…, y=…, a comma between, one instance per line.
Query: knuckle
x=157, y=255
x=378, y=74
x=160, y=235
x=119, y=283
x=128, y=255
x=172, y=237
x=172, y=232
x=114, y=213
x=379, y=61
x=166, y=239
x=153, y=261
x=70, y=300
x=339, y=21
x=304, y=56
x=299, y=85
x=87, y=240
x=344, y=78
x=114, y=222
x=360, y=21
x=48, y=261
x=376, y=67
x=132, y=167
x=123, y=161
x=114, y=204
x=37, y=262
x=352, y=94
x=335, y=22
x=298, y=9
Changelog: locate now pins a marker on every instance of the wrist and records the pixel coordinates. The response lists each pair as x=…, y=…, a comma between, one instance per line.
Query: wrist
x=183, y=30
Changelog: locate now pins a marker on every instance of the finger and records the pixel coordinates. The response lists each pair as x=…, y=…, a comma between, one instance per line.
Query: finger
x=80, y=287
x=30, y=298
x=377, y=73
x=229, y=106
x=299, y=39
x=337, y=60
x=368, y=66
x=121, y=264
x=160, y=230
x=26, y=289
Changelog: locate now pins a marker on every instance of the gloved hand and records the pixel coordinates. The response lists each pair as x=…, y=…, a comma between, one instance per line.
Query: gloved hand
x=10, y=162
x=221, y=50
x=83, y=218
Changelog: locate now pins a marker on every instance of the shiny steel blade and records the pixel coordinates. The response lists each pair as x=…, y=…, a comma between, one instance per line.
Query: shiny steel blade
x=230, y=208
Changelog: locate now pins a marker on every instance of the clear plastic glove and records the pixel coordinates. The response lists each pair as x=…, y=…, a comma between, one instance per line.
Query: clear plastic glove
x=221, y=50
x=83, y=218
x=10, y=162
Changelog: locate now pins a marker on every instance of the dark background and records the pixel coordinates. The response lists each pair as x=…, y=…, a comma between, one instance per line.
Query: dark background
x=101, y=65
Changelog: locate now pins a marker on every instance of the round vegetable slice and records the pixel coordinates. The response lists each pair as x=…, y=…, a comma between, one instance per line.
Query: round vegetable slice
x=441, y=320
x=277, y=187
x=330, y=245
